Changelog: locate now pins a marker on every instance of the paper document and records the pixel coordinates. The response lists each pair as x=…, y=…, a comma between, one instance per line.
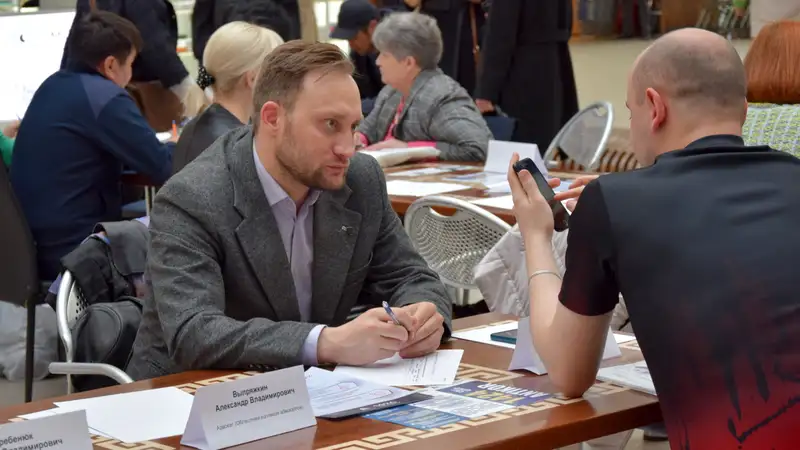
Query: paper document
x=635, y=376
x=420, y=188
x=334, y=395
x=53, y=412
x=395, y=156
x=166, y=410
x=485, y=178
x=623, y=338
x=498, y=156
x=483, y=335
x=526, y=358
x=437, y=368
x=460, y=405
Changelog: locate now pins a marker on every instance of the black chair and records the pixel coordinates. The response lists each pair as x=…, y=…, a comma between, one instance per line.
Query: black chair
x=501, y=126
x=19, y=276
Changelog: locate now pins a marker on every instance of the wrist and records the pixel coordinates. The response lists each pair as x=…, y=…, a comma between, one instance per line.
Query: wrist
x=327, y=345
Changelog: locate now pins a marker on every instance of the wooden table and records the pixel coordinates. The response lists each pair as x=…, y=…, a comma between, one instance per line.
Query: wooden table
x=551, y=423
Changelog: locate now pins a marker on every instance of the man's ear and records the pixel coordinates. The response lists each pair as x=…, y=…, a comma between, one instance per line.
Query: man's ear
x=270, y=116
x=371, y=27
x=106, y=66
x=658, y=109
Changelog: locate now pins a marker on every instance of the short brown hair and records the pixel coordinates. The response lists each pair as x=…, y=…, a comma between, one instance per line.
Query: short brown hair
x=284, y=70
x=772, y=64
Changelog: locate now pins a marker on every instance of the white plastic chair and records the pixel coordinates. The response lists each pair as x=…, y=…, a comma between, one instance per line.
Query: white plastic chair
x=584, y=138
x=453, y=245
x=69, y=305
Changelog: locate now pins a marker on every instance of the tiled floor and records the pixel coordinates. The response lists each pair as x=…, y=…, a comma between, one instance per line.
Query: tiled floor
x=601, y=69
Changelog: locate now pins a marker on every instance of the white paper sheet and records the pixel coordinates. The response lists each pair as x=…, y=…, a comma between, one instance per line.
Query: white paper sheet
x=334, y=392
x=498, y=156
x=166, y=409
x=437, y=368
x=53, y=412
x=483, y=335
x=526, y=358
x=395, y=156
x=635, y=376
x=420, y=189
x=623, y=338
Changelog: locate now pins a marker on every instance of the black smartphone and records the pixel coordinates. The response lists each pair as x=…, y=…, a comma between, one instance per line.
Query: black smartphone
x=560, y=213
x=508, y=337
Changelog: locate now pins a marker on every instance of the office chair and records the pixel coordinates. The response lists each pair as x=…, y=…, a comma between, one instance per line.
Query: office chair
x=453, y=245
x=19, y=274
x=583, y=139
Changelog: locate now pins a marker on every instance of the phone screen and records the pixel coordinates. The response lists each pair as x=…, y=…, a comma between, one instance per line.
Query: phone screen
x=560, y=213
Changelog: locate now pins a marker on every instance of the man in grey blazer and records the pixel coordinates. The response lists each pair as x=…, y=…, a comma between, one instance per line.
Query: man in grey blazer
x=261, y=246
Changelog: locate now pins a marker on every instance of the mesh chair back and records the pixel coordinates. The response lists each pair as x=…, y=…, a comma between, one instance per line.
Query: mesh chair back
x=775, y=125
x=452, y=245
x=585, y=136
x=19, y=276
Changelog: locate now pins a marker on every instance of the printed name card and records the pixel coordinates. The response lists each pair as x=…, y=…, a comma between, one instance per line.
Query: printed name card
x=245, y=410
x=68, y=431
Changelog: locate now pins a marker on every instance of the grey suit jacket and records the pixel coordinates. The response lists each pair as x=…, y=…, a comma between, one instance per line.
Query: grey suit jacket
x=437, y=109
x=222, y=295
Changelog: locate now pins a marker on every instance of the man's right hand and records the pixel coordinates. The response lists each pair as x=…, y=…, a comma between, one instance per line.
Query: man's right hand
x=372, y=336
x=574, y=191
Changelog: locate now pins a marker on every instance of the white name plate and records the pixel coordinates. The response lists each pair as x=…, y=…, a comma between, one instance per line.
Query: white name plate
x=68, y=431
x=249, y=409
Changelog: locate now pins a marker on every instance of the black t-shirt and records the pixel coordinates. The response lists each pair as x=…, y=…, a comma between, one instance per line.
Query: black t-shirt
x=704, y=245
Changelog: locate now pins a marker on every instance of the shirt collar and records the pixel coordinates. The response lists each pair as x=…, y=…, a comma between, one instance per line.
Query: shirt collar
x=712, y=144
x=272, y=190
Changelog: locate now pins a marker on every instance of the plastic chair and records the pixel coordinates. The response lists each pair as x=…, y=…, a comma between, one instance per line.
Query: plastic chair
x=19, y=273
x=69, y=306
x=584, y=138
x=453, y=245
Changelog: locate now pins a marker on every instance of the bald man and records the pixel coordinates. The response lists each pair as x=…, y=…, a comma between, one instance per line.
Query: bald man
x=702, y=242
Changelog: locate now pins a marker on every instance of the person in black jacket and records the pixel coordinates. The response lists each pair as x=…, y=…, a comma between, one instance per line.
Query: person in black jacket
x=159, y=60
x=526, y=67
x=356, y=23
x=455, y=20
x=209, y=15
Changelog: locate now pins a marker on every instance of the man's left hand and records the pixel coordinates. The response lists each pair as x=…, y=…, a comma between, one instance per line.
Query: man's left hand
x=533, y=213
x=389, y=143
x=428, y=334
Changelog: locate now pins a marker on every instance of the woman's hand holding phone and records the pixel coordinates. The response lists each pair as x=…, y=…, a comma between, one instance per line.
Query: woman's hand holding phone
x=574, y=191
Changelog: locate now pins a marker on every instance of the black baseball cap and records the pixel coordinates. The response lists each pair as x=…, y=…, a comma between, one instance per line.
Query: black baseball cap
x=354, y=16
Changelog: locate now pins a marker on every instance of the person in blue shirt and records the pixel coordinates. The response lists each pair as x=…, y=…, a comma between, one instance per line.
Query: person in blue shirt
x=80, y=129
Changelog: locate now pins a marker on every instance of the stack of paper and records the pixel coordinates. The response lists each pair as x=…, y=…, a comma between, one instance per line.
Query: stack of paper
x=437, y=368
x=395, y=156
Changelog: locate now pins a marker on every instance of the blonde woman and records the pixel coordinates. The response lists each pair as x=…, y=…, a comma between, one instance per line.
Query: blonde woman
x=231, y=60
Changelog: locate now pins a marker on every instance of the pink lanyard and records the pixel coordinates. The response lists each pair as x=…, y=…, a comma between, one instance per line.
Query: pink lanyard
x=393, y=125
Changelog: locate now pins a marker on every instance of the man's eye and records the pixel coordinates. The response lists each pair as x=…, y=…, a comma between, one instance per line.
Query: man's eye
x=331, y=124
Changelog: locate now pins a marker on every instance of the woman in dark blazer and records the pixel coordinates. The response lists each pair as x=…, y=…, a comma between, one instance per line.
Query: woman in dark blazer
x=231, y=61
x=526, y=67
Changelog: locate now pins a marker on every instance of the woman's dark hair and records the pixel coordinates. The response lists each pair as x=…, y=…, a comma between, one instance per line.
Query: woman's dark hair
x=264, y=13
x=101, y=34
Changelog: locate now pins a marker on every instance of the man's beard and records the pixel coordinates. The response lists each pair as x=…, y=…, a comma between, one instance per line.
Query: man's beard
x=289, y=158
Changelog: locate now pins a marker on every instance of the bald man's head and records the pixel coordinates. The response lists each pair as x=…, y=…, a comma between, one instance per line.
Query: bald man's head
x=693, y=66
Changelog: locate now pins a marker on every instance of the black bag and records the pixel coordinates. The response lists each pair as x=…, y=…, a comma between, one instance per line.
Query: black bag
x=104, y=333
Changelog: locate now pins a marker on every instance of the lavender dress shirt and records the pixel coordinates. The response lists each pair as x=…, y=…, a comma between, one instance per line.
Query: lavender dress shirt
x=297, y=233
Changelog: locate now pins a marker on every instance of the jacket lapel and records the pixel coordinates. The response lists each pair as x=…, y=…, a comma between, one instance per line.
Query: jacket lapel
x=336, y=231
x=258, y=232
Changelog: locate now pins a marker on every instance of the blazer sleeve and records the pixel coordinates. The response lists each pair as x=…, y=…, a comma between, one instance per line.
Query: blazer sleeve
x=370, y=126
x=498, y=48
x=189, y=293
x=397, y=273
x=459, y=130
x=159, y=57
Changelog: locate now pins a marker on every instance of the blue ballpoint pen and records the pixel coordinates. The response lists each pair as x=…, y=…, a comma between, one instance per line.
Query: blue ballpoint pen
x=391, y=314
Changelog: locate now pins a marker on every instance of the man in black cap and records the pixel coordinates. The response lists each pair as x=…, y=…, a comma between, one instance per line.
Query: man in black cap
x=357, y=21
